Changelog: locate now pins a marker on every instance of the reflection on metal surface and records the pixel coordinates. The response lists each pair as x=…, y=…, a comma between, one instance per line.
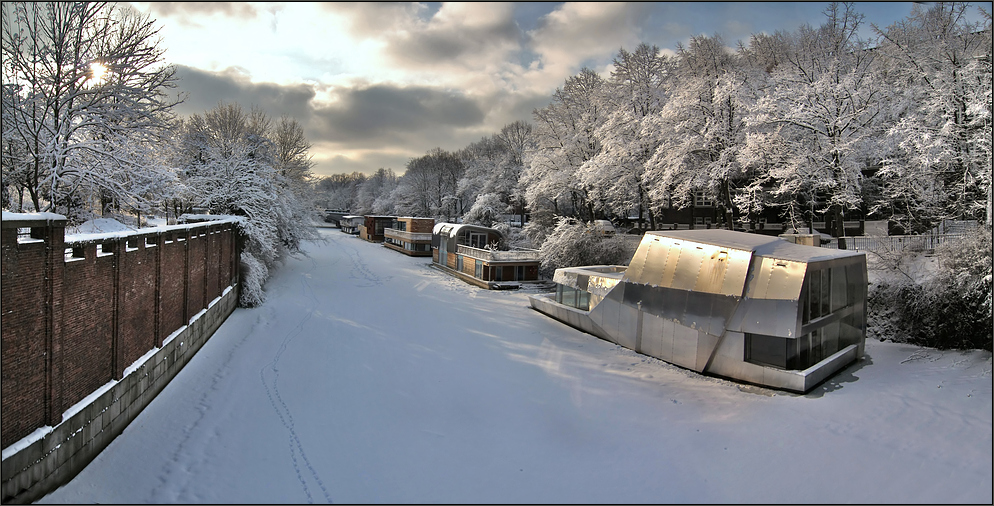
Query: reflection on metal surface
x=693, y=298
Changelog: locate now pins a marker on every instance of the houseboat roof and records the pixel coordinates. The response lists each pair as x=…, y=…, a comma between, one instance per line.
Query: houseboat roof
x=761, y=245
x=720, y=261
x=452, y=229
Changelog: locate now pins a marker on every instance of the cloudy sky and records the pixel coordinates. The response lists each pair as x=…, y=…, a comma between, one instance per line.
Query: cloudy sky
x=376, y=84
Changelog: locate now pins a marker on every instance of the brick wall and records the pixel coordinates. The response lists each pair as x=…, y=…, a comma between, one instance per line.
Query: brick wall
x=27, y=332
x=73, y=322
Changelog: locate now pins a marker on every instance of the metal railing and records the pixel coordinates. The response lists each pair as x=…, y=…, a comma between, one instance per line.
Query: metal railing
x=519, y=255
x=407, y=236
x=921, y=243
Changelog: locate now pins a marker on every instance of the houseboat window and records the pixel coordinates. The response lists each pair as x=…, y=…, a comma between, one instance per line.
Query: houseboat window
x=839, y=291
x=803, y=352
x=519, y=273
x=459, y=263
x=766, y=350
x=583, y=300
x=479, y=269
x=573, y=297
x=477, y=240
x=826, y=291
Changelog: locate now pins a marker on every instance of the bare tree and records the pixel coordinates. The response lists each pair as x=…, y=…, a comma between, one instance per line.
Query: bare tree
x=85, y=93
x=231, y=163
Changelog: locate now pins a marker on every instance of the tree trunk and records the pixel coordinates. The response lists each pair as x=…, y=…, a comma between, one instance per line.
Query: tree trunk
x=840, y=227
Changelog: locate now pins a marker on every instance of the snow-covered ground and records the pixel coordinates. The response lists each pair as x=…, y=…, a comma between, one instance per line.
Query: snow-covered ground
x=367, y=376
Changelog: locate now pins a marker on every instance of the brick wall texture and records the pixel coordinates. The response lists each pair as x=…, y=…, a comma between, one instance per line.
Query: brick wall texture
x=73, y=322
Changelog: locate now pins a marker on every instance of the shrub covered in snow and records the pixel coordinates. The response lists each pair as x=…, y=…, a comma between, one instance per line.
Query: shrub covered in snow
x=573, y=243
x=947, y=307
x=514, y=237
x=254, y=275
x=486, y=210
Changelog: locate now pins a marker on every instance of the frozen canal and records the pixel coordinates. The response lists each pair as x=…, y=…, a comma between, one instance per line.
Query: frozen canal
x=367, y=376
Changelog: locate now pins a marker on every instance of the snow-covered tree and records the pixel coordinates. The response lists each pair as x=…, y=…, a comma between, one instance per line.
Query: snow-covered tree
x=493, y=167
x=487, y=210
x=374, y=195
x=941, y=146
x=340, y=191
x=482, y=160
x=702, y=128
x=231, y=166
x=429, y=187
x=630, y=135
x=516, y=138
x=823, y=113
x=564, y=141
x=85, y=96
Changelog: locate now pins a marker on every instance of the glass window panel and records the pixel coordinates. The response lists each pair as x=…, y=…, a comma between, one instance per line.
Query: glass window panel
x=853, y=278
x=849, y=333
x=805, y=299
x=766, y=350
x=803, y=351
x=792, y=362
x=814, y=298
x=479, y=269
x=826, y=291
x=830, y=339
x=816, y=348
x=838, y=288
x=569, y=296
x=584, y=300
x=559, y=293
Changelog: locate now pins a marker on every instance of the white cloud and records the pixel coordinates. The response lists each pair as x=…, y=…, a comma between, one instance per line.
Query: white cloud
x=582, y=33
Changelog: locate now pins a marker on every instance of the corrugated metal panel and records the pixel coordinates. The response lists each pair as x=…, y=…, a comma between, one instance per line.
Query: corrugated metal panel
x=735, y=274
x=672, y=259
x=688, y=267
x=634, y=272
x=652, y=272
x=711, y=276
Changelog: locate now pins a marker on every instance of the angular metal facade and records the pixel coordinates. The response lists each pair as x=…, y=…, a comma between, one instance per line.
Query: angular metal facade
x=743, y=306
